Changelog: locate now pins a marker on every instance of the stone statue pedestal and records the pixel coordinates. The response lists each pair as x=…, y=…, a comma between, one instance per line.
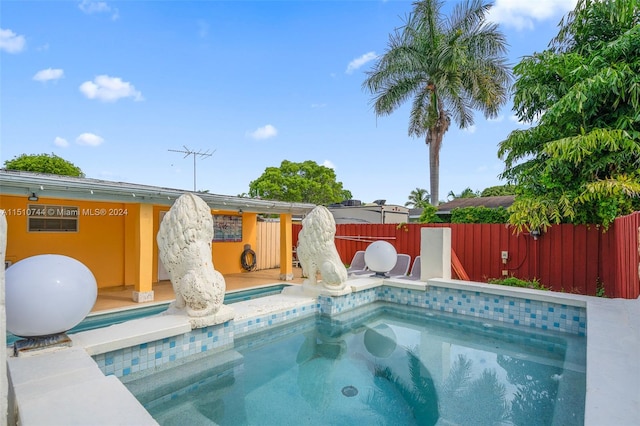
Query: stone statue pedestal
x=224, y=314
x=320, y=290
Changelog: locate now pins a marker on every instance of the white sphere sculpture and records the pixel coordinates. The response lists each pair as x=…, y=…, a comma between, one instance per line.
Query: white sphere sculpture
x=380, y=257
x=48, y=294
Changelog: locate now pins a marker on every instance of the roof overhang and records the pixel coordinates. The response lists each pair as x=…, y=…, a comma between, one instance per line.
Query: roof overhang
x=67, y=187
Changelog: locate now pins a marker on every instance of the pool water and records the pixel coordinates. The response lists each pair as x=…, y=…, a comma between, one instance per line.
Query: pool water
x=99, y=320
x=378, y=365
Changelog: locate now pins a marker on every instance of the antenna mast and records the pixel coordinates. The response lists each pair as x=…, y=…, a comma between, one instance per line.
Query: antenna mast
x=187, y=152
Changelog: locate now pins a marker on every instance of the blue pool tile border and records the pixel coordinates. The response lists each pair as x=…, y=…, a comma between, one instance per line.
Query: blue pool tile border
x=526, y=312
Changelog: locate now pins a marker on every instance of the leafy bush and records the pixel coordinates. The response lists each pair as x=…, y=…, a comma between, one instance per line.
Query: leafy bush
x=517, y=282
x=429, y=215
x=479, y=215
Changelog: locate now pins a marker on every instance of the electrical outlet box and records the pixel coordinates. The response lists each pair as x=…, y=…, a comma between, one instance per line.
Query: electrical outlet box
x=505, y=273
x=505, y=255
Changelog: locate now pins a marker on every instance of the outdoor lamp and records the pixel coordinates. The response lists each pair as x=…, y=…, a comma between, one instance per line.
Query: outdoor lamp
x=48, y=294
x=380, y=257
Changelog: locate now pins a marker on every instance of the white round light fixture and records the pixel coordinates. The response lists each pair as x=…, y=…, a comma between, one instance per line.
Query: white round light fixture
x=48, y=294
x=380, y=257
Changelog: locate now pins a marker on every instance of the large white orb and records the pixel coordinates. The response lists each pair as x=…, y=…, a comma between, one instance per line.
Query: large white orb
x=48, y=294
x=380, y=256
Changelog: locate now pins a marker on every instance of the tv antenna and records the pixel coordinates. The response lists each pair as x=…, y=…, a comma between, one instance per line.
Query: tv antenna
x=187, y=152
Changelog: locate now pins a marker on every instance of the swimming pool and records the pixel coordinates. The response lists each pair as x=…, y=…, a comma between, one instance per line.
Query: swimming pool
x=378, y=364
x=99, y=320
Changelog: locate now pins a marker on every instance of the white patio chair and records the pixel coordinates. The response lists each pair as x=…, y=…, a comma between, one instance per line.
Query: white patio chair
x=402, y=266
x=358, y=266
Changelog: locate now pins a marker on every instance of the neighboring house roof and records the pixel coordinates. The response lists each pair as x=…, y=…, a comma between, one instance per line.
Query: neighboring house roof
x=488, y=202
x=55, y=186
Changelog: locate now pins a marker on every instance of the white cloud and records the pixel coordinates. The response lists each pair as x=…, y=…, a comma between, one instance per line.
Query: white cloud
x=89, y=139
x=359, y=62
x=498, y=119
x=471, y=129
x=329, y=164
x=524, y=14
x=109, y=89
x=11, y=42
x=264, y=132
x=318, y=105
x=49, y=74
x=90, y=7
x=61, y=142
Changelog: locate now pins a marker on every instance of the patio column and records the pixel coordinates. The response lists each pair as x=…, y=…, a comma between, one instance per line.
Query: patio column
x=435, y=253
x=139, y=251
x=286, y=241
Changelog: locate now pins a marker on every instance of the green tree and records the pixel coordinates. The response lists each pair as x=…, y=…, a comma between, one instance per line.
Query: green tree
x=418, y=198
x=429, y=215
x=43, y=163
x=306, y=182
x=497, y=191
x=580, y=163
x=449, y=65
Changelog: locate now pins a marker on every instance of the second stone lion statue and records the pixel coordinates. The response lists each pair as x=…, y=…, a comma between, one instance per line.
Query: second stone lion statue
x=317, y=250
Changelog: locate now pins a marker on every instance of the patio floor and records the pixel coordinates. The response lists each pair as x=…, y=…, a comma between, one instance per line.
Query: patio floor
x=121, y=297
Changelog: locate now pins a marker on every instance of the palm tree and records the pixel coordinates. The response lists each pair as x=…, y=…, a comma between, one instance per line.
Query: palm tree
x=466, y=193
x=449, y=65
x=418, y=198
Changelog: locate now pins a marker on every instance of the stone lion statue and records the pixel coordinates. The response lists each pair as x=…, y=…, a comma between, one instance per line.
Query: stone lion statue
x=317, y=250
x=184, y=243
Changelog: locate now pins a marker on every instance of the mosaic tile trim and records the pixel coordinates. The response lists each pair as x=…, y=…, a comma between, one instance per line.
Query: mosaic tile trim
x=255, y=324
x=338, y=304
x=511, y=310
x=123, y=362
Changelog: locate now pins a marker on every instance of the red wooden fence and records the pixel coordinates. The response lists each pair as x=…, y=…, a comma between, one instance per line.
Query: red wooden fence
x=570, y=258
x=627, y=255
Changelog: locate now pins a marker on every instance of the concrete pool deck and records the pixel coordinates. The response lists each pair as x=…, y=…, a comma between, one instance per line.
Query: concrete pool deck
x=65, y=386
x=120, y=297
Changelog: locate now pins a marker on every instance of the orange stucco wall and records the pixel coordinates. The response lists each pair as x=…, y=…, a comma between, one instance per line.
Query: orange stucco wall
x=226, y=255
x=118, y=246
x=99, y=242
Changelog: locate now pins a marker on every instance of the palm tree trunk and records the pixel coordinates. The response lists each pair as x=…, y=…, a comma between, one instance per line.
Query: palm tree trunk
x=434, y=168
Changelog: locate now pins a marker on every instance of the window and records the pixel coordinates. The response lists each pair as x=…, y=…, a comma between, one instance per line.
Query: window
x=52, y=218
x=227, y=228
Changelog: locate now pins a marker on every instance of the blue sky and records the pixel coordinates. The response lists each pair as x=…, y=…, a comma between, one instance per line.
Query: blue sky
x=113, y=86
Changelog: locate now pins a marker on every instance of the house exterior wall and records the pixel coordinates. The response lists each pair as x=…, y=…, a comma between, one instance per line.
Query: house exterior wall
x=99, y=243
x=226, y=255
x=115, y=240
